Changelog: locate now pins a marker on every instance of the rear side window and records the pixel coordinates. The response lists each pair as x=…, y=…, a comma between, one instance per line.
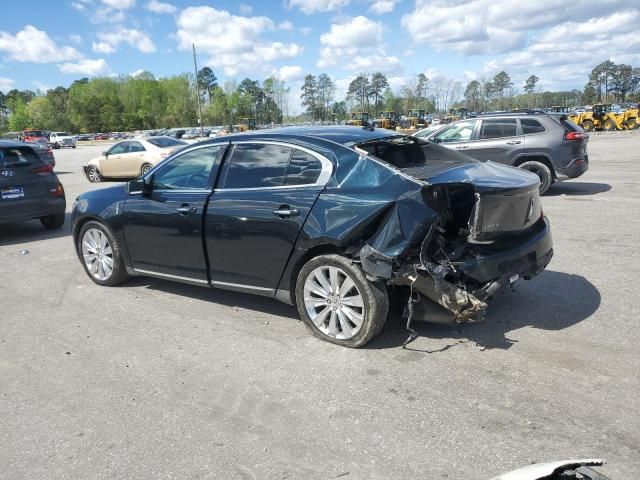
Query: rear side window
x=164, y=142
x=304, y=169
x=498, y=128
x=135, y=147
x=17, y=157
x=529, y=125
x=256, y=166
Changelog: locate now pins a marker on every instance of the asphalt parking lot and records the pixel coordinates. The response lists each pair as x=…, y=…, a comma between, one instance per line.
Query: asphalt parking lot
x=161, y=380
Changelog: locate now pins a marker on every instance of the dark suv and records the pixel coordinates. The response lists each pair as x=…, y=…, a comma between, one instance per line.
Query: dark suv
x=551, y=146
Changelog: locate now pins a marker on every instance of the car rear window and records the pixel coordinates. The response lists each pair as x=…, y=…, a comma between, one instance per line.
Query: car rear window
x=529, y=125
x=256, y=166
x=162, y=142
x=498, y=128
x=17, y=157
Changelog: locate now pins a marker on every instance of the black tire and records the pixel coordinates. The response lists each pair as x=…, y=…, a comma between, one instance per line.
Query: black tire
x=53, y=222
x=145, y=168
x=587, y=126
x=609, y=125
x=119, y=273
x=73, y=146
x=374, y=295
x=93, y=174
x=631, y=124
x=543, y=172
x=56, y=146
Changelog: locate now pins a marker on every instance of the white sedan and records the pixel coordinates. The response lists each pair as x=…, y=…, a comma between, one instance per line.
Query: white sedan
x=131, y=158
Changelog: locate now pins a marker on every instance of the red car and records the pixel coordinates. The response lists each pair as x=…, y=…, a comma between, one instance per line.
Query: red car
x=35, y=136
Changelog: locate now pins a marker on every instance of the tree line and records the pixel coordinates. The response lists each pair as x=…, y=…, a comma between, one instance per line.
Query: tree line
x=142, y=101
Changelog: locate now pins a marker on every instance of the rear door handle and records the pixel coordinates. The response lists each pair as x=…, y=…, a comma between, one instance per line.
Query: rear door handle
x=186, y=210
x=286, y=211
x=514, y=142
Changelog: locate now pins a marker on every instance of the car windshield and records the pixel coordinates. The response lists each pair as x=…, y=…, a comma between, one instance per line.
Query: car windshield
x=165, y=142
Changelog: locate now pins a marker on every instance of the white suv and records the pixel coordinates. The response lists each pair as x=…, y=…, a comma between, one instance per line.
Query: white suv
x=62, y=139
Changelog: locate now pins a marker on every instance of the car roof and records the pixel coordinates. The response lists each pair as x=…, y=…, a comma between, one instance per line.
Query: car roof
x=345, y=135
x=11, y=143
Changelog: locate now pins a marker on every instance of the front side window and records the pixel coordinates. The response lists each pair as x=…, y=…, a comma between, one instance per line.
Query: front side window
x=458, y=132
x=498, y=128
x=118, y=148
x=256, y=166
x=165, y=142
x=189, y=171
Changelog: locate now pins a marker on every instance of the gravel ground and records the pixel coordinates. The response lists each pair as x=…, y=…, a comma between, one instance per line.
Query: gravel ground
x=161, y=380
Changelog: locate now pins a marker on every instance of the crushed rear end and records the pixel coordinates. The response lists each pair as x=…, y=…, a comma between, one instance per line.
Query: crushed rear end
x=484, y=229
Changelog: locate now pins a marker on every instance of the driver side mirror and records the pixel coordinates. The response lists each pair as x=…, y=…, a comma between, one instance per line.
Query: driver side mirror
x=105, y=154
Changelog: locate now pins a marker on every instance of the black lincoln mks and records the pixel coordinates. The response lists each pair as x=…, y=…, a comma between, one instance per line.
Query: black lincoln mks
x=327, y=219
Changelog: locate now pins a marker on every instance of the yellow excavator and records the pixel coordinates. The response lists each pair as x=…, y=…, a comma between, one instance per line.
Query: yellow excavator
x=606, y=119
x=359, y=119
x=246, y=124
x=388, y=120
x=455, y=114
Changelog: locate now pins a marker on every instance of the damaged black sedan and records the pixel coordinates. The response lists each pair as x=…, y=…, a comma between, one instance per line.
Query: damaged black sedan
x=328, y=219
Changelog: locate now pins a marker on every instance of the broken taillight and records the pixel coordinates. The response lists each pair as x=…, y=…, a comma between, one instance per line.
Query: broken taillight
x=575, y=136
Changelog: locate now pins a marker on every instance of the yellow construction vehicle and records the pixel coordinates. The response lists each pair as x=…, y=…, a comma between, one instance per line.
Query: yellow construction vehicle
x=605, y=119
x=415, y=120
x=455, y=114
x=631, y=120
x=584, y=119
x=388, y=120
x=359, y=119
x=246, y=124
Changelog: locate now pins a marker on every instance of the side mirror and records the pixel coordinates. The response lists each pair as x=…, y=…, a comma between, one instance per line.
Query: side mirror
x=147, y=184
x=105, y=154
x=135, y=186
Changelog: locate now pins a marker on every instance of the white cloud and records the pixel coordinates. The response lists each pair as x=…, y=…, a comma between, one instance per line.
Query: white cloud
x=33, y=45
x=6, y=84
x=232, y=42
x=313, y=6
x=86, y=66
x=290, y=73
x=156, y=6
x=43, y=87
x=102, y=47
x=110, y=40
x=286, y=26
x=380, y=7
x=136, y=72
x=75, y=38
x=245, y=9
x=305, y=30
x=120, y=4
x=356, y=44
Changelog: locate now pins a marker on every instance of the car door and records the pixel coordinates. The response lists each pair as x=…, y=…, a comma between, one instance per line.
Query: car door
x=133, y=159
x=111, y=163
x=264, y=194
x=163, y=227
x=499, y=140
x=457, y=136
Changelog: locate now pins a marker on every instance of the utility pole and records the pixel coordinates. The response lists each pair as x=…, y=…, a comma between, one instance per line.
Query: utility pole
x=195, y=66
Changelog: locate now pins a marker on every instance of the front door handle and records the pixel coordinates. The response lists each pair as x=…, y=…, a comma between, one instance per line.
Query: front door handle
x=514, y=142
x=186, y=210
x=286, y=211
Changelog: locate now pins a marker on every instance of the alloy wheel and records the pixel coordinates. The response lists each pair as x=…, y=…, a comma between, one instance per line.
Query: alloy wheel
x=333, y=302
x=97, y=254
x=93, y=175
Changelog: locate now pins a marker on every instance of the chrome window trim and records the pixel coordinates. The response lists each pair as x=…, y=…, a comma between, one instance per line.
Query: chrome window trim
x=322, y=180
x=197, y=280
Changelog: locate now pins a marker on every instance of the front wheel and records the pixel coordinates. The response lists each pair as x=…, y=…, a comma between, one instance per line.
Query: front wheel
x=93, y=174
x=587, y=126
x=631, y=124
x=542, y=171
x=609, y=126
x=100, y=255
x=337, y=302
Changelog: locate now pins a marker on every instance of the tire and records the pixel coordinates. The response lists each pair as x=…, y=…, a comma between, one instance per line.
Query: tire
x=56, y=146
x=73, y=146
x=587, y=126
x=631, y=124
x=53, y=222
x=337, y=322
x=91, y=244
x=145, y=168
x=93, y=174
x=609, y=125
x=543, y=172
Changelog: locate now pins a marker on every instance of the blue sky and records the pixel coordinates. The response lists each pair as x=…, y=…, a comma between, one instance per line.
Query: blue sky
x=52, y=43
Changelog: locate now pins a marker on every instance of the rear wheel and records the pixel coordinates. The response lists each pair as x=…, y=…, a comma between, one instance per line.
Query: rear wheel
x=609, y=125
x=100, y=255
x=631, y=124
x=93, y=174
x=542, y=171
x=337, y=302
x=587, y=126
x=145, y=169
x=53, y=222
x=56, y=145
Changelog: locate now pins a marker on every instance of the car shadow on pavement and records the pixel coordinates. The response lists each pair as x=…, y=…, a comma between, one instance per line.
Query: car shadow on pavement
x=32, y=231
x=551, y=301
x=577, y=188
x=246, y=301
